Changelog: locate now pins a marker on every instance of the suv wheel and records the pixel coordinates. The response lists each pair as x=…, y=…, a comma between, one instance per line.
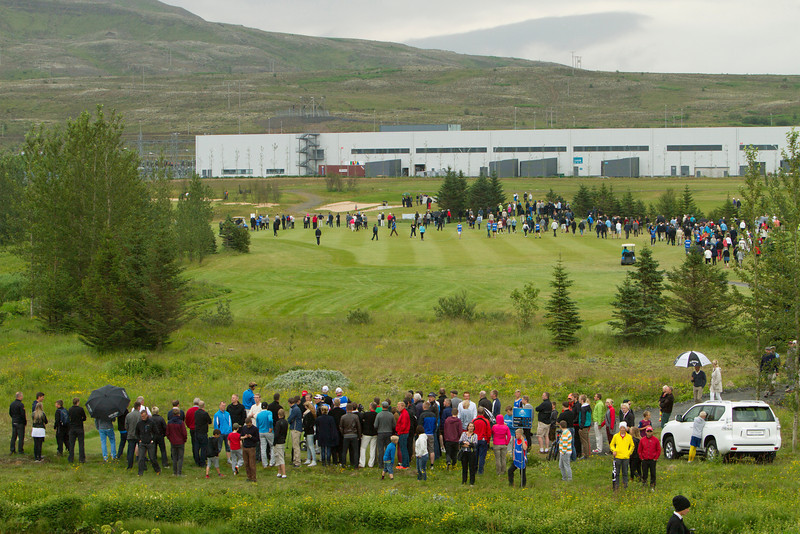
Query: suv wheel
x=712, y=452
x=669, y=449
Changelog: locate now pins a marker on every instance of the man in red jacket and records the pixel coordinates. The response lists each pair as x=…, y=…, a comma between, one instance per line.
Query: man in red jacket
x=189, y=421
x=649, y=452
x=403, y=428
x=483, y=429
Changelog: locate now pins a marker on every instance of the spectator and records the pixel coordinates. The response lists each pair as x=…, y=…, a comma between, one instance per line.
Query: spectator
x=295, y=422
x=158, y=438
x=76, y=418
x=281, y=433
x=675, y=524
x=145, y=430
x=716, y=381
x=212, y=454
x=649, y=453
x=501, y=437
x=697, y=434
x=350, y=428
x=39, y=422
x=543, y=415
x=621, y=447
x=565, y=451
x=584, y=424
x=248, y=396
x=249, y=443
x=19, y=420
x=520, y=459
x=61, y=426
x=369, y=436
x=598, y=414
x=384, y=427
x=201, y=423
x=235, y=441
x=388, y=458
x=176, y=434
x=468, y=443
x=223, y=423
x=266, y=435
x=698, y=380
x=665, y=404
x=131, y=421
x=421, y=450
x=483, y=429
x=309, y=422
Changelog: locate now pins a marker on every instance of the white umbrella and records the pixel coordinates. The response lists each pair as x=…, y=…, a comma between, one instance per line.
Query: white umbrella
x=691, y=358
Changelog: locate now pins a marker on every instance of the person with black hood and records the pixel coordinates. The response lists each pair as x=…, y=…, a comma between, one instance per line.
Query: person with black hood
x=18, y=422
x=675, y=525
x=176, y=434
x=146, y=431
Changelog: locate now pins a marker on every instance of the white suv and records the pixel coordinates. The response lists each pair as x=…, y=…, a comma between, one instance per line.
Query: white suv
x=732, y=427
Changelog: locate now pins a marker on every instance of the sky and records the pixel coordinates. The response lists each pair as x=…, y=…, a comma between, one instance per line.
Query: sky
x=697, y=36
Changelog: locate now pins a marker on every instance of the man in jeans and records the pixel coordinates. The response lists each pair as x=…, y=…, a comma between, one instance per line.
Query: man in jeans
x=384, y=426
x=296, y=427
x=76, y=418
x=18, y=422
x=266, y=433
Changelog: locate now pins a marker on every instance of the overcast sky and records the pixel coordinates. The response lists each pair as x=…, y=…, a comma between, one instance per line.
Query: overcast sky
x=712, y=36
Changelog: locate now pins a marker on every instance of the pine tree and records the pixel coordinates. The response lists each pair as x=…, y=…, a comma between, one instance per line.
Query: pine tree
x=627, y=205
x=687, y=205
x=701, y=294
x=639, y=306
x=453, y=192
x=563, y=318
x=193, y=218
x=12, y=180
x=234, y=236
x=582, y=202
x=498, y=196
x=667, y=204
x=480, y=196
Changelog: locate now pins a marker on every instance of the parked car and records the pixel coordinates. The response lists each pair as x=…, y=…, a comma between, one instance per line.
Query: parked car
x=732, y=428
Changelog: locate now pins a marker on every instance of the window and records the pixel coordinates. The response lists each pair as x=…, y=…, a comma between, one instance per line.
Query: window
x=689, y=416
x=612, y=148
x=452, y=150
x=694, y=148
x=758, y=147
x=715, y=413
x=530, y=149
x=749, y=414
x=274, y=171
x=380, y=151
x=229, y=172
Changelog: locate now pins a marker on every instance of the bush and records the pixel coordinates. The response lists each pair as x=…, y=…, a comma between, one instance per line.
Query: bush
x=525, y=304
x=139, y=367
x=234, y=237
x=11, y=287
x=222, y=317
x=359, y=316
x=455, y=307
x=309, y=378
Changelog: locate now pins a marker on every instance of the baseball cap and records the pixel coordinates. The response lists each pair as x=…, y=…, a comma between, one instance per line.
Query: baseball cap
x=431, y=394
x=317, y=397
x=304, y=393
x=648, y=429
x=338, y=390
x=623, y=425
x=325, y=389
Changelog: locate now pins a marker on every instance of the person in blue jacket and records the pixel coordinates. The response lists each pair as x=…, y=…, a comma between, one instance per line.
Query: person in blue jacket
x=222, y=422
x=248, y=397
x=520, y=458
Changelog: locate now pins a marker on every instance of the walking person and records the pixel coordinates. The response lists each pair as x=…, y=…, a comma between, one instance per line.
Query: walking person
x=76, y=418
x=19, y=420
x=520, y=459
x=318, y=234
x=37, y=431
x=716, y=381
x=675, y=524
x=649, y=453
x=374, y=233
x=468, y=444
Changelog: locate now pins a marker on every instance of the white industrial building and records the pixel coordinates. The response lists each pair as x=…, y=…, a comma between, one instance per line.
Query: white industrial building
x=712, y=152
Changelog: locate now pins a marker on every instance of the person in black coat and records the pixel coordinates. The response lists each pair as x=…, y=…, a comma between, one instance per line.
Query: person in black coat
x=327, y=434
x=76, y=418
x=18, y=421
x=675, y=525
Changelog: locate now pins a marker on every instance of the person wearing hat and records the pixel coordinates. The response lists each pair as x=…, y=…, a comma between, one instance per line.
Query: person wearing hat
x=621, y=447
x=248, y=397
x=698, y=380
x=649, y=452
x=675, y=525
x=325, y=397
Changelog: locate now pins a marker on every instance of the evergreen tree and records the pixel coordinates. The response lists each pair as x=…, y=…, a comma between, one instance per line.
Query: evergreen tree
x=12, y=181
x=498, y=196
x=627, y=205
x=234, y=236
x=687, y=205
x=639, y=306
x=701, y=296
x=563, y=318
x=193, y=218
x=582, y=202
x=667, y=205
x=453, y=192
x=480, y=195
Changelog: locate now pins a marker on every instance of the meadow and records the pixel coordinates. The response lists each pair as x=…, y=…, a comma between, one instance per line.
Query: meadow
x=290, y=300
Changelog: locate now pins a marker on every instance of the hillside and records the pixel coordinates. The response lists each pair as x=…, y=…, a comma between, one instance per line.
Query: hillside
x=113, y=37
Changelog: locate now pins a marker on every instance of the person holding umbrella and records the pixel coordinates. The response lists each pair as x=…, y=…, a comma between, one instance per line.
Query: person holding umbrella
x=698, y=380
x=105, y=405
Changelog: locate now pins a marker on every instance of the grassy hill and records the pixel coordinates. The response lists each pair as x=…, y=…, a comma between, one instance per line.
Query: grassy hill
x=168, y=71
x=112, y=37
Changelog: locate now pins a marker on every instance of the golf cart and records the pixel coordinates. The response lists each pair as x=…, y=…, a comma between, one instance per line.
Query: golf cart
x=628, y=254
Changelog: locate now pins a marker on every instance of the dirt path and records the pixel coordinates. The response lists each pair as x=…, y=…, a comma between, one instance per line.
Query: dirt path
x=311, y=201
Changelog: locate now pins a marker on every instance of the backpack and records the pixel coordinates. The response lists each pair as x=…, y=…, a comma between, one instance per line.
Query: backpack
x=64, y=417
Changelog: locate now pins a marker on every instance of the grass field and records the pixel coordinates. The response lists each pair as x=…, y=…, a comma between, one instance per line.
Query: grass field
x=290, y=299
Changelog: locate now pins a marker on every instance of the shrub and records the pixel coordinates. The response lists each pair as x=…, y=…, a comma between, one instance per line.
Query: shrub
x=139, y=367
x=234, y=237
x=222, y=317
x=11, y=287
x=309, y=378
x=359, y=316
x=525, y=304
x=457, y=306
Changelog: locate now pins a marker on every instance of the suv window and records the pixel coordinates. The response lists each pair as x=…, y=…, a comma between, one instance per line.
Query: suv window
x=689, y=416
x=715, y=413
x=749, y=414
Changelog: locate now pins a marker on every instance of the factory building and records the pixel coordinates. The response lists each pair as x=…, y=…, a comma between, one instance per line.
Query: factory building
x=642, y=152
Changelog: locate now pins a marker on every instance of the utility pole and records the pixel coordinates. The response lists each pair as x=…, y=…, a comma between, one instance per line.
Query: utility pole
x=515, y=117
x=240, y=108
x=665, y=115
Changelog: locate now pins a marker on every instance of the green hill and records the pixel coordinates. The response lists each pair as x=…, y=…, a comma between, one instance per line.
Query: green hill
x=113, y=37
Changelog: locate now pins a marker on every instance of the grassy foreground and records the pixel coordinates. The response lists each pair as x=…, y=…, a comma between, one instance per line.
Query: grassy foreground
x=290, y=299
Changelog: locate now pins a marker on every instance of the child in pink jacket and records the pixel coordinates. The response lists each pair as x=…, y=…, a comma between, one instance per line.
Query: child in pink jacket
x=501, y=437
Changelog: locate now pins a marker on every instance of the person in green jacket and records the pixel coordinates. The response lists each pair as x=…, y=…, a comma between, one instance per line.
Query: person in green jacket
x=598, y=412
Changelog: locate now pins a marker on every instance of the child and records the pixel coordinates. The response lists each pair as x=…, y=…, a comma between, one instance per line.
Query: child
x=212, y=454
x=697, y=434
x=459, y=228
x=645, y=422
x=281, y=431
x=509, y=421
x=235, y=441
x=520, y=459
x=421, y=449
x=388, y=458
x=565, y=449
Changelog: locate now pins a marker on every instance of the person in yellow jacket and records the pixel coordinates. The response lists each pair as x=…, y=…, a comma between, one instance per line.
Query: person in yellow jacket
x=621, y=447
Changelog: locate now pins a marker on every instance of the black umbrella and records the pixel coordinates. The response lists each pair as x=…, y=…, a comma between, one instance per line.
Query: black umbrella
x=108, y=402
x=691, y=358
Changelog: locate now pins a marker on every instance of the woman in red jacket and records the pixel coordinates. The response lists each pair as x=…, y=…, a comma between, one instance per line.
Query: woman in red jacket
x=403, y=428
x=649, y=452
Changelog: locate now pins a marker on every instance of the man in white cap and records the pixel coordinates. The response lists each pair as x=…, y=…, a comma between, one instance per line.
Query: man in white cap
x=342, y=399
x=325, y=397
x=621, y=447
